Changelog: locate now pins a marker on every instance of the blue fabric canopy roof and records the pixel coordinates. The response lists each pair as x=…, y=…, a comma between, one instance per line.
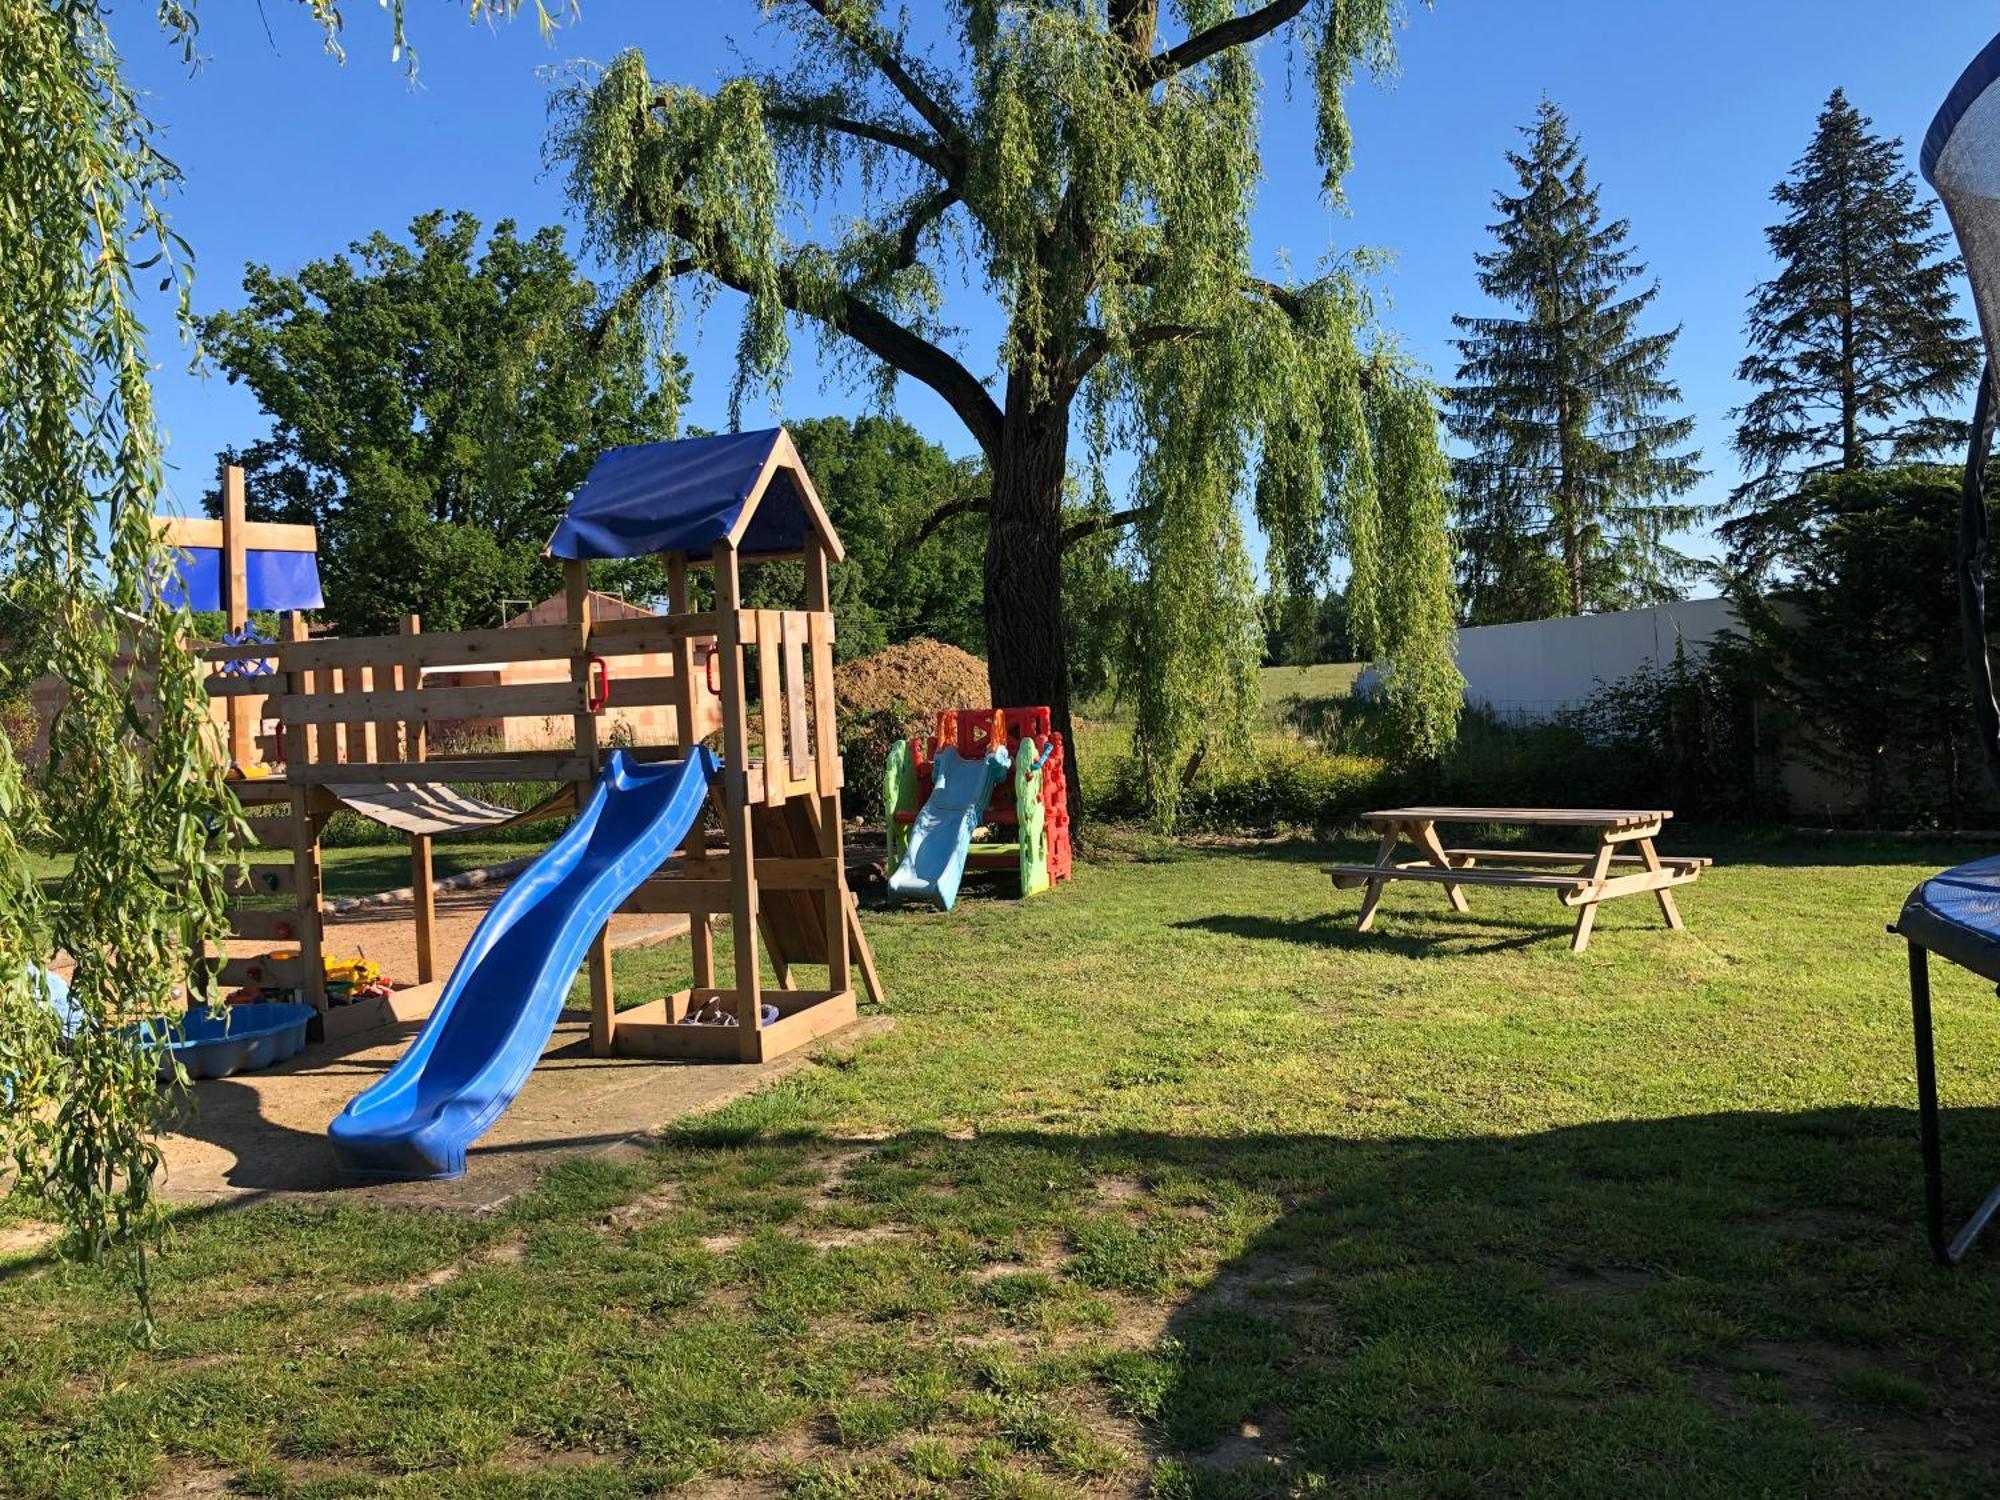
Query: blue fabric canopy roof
x=276, y=580
x=683, y=497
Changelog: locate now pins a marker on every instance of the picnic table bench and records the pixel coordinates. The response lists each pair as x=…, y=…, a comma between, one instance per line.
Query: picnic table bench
x=1624, y=843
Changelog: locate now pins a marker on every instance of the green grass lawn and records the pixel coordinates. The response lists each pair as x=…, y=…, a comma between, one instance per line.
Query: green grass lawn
x=1167, y=1180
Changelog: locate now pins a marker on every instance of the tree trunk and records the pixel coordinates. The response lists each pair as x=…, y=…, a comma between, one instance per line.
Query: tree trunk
x=1027, y=655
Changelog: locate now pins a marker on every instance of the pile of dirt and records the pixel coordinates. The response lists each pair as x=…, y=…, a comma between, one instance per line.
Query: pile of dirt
x=915, y=682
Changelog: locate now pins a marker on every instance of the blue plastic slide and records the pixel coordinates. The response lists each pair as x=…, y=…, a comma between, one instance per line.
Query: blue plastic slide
x=934, y=861
x=502, y=1000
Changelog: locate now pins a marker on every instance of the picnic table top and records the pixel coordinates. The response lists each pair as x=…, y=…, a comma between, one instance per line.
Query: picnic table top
x=1554, y=817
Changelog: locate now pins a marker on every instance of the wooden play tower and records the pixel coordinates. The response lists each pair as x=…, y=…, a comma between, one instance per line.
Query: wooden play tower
x=354, y=715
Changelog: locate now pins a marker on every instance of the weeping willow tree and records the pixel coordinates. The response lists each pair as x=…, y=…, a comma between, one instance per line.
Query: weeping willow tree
x=132, y=788
x=1094, y=176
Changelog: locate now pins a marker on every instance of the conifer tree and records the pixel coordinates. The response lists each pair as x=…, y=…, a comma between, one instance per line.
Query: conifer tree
x=1857, y=351
x=1568, y=498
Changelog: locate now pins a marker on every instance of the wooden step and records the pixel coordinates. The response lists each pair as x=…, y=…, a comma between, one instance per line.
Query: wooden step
x=1349, y=877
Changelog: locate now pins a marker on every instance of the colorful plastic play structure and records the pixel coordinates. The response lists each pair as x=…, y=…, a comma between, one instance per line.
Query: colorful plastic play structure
x=353, y=716
x=991, y=771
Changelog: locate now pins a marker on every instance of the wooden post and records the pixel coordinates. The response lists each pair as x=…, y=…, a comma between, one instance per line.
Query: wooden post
x=576, y=596
x=236, y=606
x=819, y=601
x=736, y=820
x=701, y=937
x=416, y=747
x=305, y=840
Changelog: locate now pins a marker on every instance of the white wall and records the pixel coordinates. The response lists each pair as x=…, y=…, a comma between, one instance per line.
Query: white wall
x=1536, y=669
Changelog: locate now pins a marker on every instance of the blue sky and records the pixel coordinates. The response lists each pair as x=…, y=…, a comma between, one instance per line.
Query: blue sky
x=1689, y=111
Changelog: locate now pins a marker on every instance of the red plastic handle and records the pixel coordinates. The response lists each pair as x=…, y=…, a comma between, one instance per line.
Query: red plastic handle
x=598, y=693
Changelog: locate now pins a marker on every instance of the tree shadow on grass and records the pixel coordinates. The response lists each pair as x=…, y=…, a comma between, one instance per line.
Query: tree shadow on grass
x=1335, y=929
x=1736, y=1303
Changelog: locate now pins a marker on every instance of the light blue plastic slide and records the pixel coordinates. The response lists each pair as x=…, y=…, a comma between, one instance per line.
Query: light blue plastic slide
x=503, y=998
x=934, y=861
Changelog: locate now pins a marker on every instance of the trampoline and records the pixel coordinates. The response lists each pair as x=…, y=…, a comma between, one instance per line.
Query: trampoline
x=1956, y=914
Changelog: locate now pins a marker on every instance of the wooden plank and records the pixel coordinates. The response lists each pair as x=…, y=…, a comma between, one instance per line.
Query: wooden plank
x=669, y=895
x=297, y=746
x=770, y=699
x=384, y=678
x=1349, y=877
x=423, y=893
x=1630, y=885
x=1668, y=910
x=523, y=765
x=259, y=880
x=258, y=536
x=1568, y=857
x=806, y=874
x=651, y=633
x=434, y=648
x=798, y=752
x=522, y=700
x=242, y=687
x=236, y=653
x=309, y=892
x=257, y=925
x=356, y=686
x=652, y=1031
x=270, y=973
x=1553, y=817
x=701, y=939
x=1586, y=917
x=736, y=818
x=826, y=724
x=236, y=602
x=271, y=833
x=1426, y=836
x=1385, y=851
x=644, y=692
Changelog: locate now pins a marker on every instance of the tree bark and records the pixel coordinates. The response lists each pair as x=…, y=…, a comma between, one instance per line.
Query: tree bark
x=1027, y=654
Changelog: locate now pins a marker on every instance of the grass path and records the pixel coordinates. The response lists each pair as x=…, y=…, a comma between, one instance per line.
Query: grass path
x=1167, y=1181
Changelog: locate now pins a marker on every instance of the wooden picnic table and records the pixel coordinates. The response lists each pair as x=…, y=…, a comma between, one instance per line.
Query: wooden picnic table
x=1624, y=838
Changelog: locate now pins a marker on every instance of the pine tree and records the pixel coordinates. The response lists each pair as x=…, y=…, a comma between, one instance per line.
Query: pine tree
x=1856, y=347
x=1569, y=496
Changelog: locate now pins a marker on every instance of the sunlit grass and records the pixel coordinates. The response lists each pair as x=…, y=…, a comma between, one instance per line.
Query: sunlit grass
x=1168, y=1179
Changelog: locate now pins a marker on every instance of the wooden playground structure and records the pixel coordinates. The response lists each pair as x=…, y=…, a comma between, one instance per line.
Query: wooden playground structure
x=354, y=718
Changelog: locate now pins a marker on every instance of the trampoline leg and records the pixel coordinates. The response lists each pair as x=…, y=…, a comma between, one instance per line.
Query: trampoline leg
x=1927, y=1102
x=1947, y=1252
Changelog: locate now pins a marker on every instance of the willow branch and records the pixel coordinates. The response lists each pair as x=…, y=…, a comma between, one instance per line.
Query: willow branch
x=927, y=213
x=969, y=505
x=1234, y=32
x=874, y=330
x=622, y=306
x=1090, y=526
x=873, y=45
x=915, y=146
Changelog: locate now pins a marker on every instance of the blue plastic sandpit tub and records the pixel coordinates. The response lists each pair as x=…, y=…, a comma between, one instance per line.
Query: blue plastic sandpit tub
x=241, y=1039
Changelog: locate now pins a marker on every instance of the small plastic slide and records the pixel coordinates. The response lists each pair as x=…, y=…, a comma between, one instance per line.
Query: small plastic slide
x=934, y=860
x=503, y=998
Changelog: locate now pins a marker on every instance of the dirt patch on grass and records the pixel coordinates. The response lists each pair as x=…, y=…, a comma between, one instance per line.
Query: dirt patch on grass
x=509, y=1252
x=916, y=681
x=26, y=1238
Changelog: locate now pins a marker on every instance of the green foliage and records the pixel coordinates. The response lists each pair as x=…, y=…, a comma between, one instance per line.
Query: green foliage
x=1300, y=631
x=1857, y=348
x=1567, y=500
x=1098, y=186
x=1862, y=649
x=434, y=403
x=132, y=785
